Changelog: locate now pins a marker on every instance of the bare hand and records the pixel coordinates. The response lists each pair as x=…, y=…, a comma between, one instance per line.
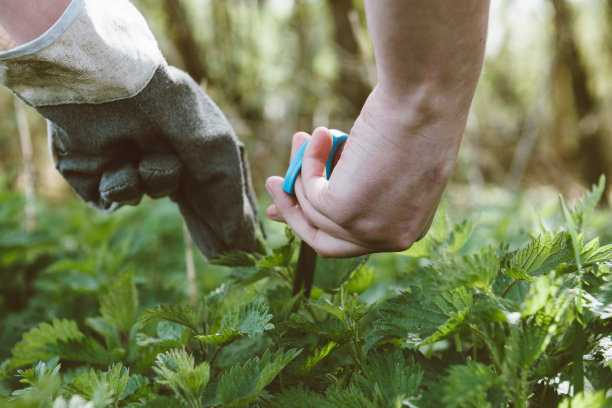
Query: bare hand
x=385, y=188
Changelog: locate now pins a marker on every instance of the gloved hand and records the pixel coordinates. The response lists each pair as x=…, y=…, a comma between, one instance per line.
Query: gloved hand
x=121, y=123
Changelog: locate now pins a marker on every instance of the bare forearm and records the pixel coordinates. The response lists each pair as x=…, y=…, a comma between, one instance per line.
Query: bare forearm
x=25, y=20
x=428, y=51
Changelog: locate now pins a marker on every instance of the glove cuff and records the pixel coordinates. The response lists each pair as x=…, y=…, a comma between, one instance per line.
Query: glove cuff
x=97, y=51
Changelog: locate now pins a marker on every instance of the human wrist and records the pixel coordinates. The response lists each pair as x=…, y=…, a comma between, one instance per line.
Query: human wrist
x=422, y=110
x=25, y=20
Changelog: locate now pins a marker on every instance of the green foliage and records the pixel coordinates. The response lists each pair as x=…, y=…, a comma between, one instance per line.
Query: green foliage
x=457, y=321
x=389, y=379
x=250, y=318
x=61, y=338
x=243, y=383
x=177, y=370
x=184, y=316
x=118, y=306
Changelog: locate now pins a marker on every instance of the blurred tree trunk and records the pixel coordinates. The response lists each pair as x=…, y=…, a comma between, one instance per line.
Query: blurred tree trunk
x=353, y=84
x=571, y=83
x=180, y=31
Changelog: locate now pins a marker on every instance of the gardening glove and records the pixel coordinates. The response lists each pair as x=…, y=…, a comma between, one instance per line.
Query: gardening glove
x=122, y=123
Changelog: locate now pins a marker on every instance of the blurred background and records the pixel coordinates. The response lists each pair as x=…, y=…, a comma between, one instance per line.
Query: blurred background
x=540, y=114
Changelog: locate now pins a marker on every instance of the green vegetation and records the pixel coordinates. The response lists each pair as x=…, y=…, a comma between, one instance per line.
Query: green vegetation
x=490, y=311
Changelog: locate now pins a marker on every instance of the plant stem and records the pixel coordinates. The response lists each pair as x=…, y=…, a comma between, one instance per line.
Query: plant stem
x=513, y=284
x=578, y=366
x=191, y=274
x=214, y=357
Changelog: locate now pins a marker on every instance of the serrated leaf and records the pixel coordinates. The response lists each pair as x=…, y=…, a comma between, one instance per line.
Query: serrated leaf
x=543, y=254
x=588, y=400
x=61, y=338
x=43, y=382
x=518, y=274
x=89, y=382
x=361, y=279
x=135, y=384
x=331, y=273
x=318, y=354
x=281, y=256
x=118, y=306
x=415, y=315
x=250, y=318
x=176, y=369
x=467, y=385
x=185, y=316
x=169, y=335
x=586, y=205
x=329, y=330
x=476, y=270
x=528, y=340
x=235, y=258
x=388, y=377
x=243, y=383
x=221, y=338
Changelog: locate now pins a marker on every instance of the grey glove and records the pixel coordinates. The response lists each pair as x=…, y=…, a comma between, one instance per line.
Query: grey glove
x=115, y=138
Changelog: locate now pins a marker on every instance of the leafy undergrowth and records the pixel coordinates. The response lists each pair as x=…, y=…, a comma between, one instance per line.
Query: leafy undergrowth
x=452, y=322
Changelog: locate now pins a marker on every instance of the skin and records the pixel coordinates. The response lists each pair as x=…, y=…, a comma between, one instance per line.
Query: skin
x=393, y=169
x=24, y=20
x=388, y=181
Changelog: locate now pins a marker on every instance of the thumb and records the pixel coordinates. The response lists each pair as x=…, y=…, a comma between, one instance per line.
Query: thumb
x=313, y=163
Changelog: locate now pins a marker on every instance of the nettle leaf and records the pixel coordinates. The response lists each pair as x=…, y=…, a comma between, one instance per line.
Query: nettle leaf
x=350, y=397
x=329, y=330
x=235, y=258
x=331, y=273
x=528, y=340
x=592, y=253
x=476, y=270
x=250, y=318
x=156, y=401
x=518, y=274
x=44, y=382
x=283, y=255
x=89, y=382
x=361, y=279
x=243, y=383
x=318, y=354
x=176, y=369
x=589, y=400
x=585, y=207
x=389, y=378
x=136, y=386
x=185, y=316
x=61, y=338
x=415, y=315
x=300, y=398
x=169, y=335
x=543, y=254
x=467, y=385
x=118, y=306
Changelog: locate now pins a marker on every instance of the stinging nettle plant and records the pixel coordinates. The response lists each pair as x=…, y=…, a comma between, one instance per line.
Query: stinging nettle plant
x=452, y=322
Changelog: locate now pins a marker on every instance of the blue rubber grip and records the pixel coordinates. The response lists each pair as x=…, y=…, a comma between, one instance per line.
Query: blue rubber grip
x=295, y=166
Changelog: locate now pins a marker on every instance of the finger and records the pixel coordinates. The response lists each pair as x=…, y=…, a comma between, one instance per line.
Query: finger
x=313, y=166
x=323, y=243
x=121, y=184
x=298, y=140
x=160, y=174
x=274, y=214
x=316, y=218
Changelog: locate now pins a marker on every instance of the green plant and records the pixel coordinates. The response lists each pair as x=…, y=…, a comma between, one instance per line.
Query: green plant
x=456, y=321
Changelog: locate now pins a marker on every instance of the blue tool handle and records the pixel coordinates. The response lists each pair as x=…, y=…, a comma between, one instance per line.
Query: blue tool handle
x=295, y=166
